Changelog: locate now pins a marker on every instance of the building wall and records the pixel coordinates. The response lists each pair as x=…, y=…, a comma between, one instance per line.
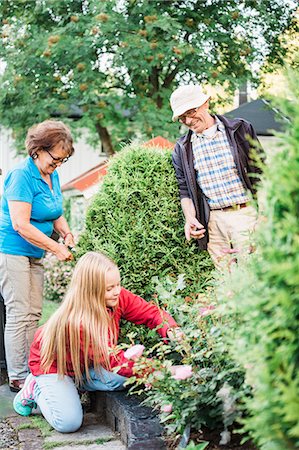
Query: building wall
x=84, y=158
x=8, y=158
x=269, y=143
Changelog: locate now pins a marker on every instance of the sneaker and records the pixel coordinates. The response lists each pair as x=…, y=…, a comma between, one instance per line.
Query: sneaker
x=16, y=385
x=24, y=400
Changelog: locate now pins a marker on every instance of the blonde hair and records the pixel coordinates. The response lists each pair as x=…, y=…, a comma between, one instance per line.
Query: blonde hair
x=82, y=322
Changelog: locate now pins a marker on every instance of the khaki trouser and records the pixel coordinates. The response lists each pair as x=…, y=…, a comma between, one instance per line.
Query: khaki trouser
x=230, y=230
x=21, y=285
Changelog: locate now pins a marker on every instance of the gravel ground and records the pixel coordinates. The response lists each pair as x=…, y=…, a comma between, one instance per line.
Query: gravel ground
x=9, y=438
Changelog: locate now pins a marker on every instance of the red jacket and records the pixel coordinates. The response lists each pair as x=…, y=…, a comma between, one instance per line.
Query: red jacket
x=130, y=307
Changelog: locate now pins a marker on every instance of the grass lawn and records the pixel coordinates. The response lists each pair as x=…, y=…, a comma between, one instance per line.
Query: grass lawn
x=48, y=309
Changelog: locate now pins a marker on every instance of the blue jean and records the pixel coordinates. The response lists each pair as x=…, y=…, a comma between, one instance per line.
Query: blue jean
x=59, y=400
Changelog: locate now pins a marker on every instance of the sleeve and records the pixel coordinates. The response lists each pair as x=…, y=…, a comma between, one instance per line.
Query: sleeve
x=116, y=359
x=18, y=187
x=253, y=135
x=34, y=354
x=135, y=309
x=127, y=365
x=254, y=168
x=181, y=179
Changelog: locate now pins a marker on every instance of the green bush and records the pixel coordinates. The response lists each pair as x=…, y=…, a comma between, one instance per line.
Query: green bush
x=210, y=396
x=262, y=296
x=136, y=219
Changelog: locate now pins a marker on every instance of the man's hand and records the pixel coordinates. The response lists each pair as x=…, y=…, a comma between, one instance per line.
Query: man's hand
x=194, y=229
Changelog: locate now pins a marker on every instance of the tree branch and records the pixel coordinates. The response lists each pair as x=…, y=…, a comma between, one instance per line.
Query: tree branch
x=170, y=77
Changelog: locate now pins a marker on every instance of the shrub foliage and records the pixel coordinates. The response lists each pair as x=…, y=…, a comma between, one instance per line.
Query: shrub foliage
x=263, y=298
x=136, y=219
x=211, y=395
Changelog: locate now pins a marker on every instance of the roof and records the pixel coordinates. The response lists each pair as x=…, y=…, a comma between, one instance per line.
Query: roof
x=87, y=179
x=159, y=141
x=264, y=118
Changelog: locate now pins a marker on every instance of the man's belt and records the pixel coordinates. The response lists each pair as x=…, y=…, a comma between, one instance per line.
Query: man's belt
x=232, y=208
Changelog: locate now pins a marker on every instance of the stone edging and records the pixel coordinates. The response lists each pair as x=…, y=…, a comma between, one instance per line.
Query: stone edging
x=138, y=425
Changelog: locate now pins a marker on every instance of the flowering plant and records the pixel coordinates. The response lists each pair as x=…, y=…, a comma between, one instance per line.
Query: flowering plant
x=57, y=277
x=134, y=352
x=191, y=380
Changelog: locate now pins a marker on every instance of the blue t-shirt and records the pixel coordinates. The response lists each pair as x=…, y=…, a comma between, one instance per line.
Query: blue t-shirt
x=25, y=184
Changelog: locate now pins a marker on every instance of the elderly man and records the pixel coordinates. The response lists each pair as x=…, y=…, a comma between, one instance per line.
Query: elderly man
x=215, y=173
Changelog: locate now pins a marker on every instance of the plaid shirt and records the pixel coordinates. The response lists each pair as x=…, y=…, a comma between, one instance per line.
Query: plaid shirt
x=216, y=170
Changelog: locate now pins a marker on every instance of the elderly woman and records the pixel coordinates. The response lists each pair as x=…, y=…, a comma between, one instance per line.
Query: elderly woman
x=31, y=209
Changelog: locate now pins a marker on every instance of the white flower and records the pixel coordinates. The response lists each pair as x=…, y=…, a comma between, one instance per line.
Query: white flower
x=225, y=437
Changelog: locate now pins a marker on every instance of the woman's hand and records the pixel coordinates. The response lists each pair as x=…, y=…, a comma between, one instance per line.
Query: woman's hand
x=63, y=253
x=69, y=240
x=20, y=213
x=61, y=227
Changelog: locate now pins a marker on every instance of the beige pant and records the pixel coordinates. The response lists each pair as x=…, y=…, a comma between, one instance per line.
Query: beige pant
x=230, y=230
x=21, y=285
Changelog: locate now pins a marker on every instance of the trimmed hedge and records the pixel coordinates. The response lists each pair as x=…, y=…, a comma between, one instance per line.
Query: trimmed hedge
x=262, y=296
x=136, y=219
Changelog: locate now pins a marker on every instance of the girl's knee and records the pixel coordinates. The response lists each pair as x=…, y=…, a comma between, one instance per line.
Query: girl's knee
x=115, y=385
x=68, y=424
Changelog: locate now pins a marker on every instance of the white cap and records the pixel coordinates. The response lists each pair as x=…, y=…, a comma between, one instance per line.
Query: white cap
x=185, y=98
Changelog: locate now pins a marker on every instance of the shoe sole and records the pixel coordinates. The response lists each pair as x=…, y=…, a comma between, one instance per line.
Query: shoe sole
x=13, y=389
x=24, y=410
x=20, y=409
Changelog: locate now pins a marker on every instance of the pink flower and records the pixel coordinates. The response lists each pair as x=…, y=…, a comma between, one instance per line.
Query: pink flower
x=166, y=408
x=181, y=372
x=158, y=375
x=206, y=310
x=230, y=251
x=134, y=352
x=248, y=366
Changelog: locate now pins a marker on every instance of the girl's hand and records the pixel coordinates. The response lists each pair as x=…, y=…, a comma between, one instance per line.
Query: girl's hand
x=176, y=334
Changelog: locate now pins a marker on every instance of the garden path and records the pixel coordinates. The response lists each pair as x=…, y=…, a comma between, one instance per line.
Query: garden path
x=33, y=433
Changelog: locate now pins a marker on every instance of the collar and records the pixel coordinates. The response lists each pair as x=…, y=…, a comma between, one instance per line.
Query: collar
x=219, y=127
x=232, y=124
x=33, y=169
x=35, y=172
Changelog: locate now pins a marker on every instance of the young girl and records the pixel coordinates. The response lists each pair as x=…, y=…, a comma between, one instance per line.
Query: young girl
x=75, y=346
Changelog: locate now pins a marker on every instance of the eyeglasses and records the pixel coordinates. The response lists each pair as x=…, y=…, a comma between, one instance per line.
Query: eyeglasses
x=191, y=113
x=58, y=160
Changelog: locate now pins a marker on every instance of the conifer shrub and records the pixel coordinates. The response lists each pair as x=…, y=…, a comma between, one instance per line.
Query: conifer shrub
x=136, y=219
x=262, y=296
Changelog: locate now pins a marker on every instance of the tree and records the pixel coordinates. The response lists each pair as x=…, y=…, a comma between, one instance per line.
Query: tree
x=119, y=60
